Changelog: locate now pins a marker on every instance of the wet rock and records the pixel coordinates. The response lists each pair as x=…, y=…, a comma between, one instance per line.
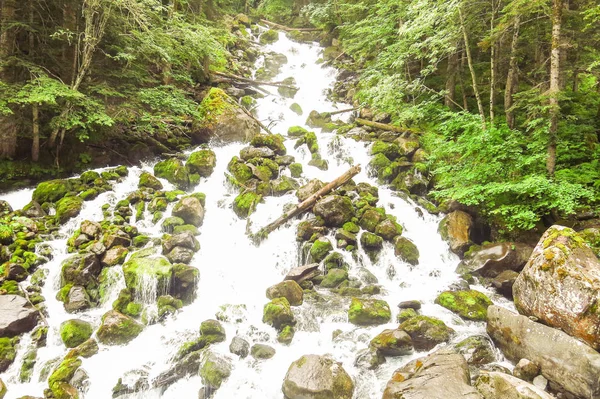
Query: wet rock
x=286, y=335
x=118, y=237
x=388, y=229
x=317, y=377
x=526, y=370
x=335, y=210
x=190, y=210
x=493, y=259
x=412, y=304
x=214, y=369
x=201, y=162
x=406, y=250
x=278, y=313
x=81, y=269
x=2, y=389
x=283, y=185
x=51, y=191
x=540, y=382
x=406, y=314
x=320, y=249
x=345, y=237
x=245, y=203
x=86, y=349
x=167, y=305
x=174, y=171
x=470, y=305
x=114, y=256
x=16, y=315
x=147, y=180
x=307, y=228
x=442, y=374
x=370, y=241
x=560, y=285
x=33, y=210
x=117, y=329
x=60, y=378
x=309, y=189
x=303, y=273
x=248, y=153
x=213, y=330
x=494, y=385
x=369, y=359
x=392, y=343
x=426, y=332
x=74, y=332
x=180, y=255
x=334, y=277
x=184, y=239
x=456, y=229
x=477, y=350
x=91, y=229
x=262, y=352
x=240, y=347
x=504, y=283
x=367, y=312
x=289, y=289
x=68, y=207
x=8, y=352
x=138, y=269
x=563, y=360
x=77, y=299
x=185, y=282
x=370, y=219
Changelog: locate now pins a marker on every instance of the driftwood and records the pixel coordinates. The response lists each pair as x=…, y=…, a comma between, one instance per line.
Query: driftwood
x=288, y=29
x=341, y=111
x=254, y=82
x=385, y=126
x=307, y=203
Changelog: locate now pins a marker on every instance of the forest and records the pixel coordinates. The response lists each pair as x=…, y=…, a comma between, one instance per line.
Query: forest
x=507, y=93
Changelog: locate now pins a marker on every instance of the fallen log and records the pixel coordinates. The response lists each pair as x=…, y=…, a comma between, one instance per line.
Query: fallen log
x=306, y=204
x=341, y=111
x=385, y=126
x=254, y=82
x=288, y=29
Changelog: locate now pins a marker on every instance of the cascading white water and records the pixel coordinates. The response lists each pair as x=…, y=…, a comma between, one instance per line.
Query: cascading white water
x=233, y=271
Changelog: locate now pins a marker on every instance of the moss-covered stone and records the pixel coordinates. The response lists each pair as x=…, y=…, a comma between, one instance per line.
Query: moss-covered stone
x=378, y=163
x=268, y=37
x=366, y=312
x=245, y=203
x=117, y=329
x=390, y=150
x=370, y=241
x=168, y=305
x=51, y=191
x=202, y=162
x=335, y=260
x=148, y=180
x=392, y=343
x=68, y=207
x=174, y=171
x=334, y=277
x=426, y=332
x=296, y=131
x=320, y=249
x=240, y=171
x=286, y=335
x=296, y=108
x=214, y=369
x=406, y=314
x=470, y=305
x=283, y=185
x=289, y=290
x=406, y=250
x=278, y=313
x=169, y=224
x=272, y=141
x=8, y=352
x=138, y=269
x=388, y=229
x=296, y=169
x=74, y=332
x=60, y=377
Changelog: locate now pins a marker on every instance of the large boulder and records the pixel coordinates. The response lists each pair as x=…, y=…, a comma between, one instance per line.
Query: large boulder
x=492, y=259
x=139, y=269
x=201, y=162
x=367, y=312
x=495, y=385
x=563, y=360
x=51, y=191
x=81, y=269
x=317, y=377
x=560, y=285
x=117, y=329
x=456, y=229
x=288, y=289
x=335, y=210
x=174, y=171
x=223, y=120
x=16, y=315
x=442, y=374
x=68, y=207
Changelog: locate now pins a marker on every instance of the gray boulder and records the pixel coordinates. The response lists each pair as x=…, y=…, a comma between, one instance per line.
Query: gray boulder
x=16, y=315
x=442, y=374
x=560, y=285
x=456, y=229
x=190, y=210
x=77, y=299
x=563, y=360
x=317, y=377
x=493, y=259
x=335, y=210
x=495, y=385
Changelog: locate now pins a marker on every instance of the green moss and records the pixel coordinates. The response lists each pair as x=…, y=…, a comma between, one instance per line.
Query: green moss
x=406, y=250
x=278, y=313
x=201, y=162
x=320, y=249
x=369, y=312
x=268, y=37
x=67, y=208
x=63, y=293
x=8, y=351
x=297, y=131
x=63, y=373
x=51, y=191
x=390, y=150
x=174, y=172
x=148, y=180
x=169, y=224
x=371, y=241
x=27, y=366
x=138, y=269
x=378, y=163
x=286, y=335
x=471, y=305
x=215, y=104
x=74, y=332
x=296, y=169
x=296, y=108
x=240, y=171
x=334, y=278
x=245, y=203
x=89, y=176
x=351, y=227
x=89, y=194
x=406, y=314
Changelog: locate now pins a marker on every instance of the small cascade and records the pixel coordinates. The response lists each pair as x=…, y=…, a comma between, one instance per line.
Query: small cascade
x=234, y=272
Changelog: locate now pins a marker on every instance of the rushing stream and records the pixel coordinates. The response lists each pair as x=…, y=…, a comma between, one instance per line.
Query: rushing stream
x=235, y=271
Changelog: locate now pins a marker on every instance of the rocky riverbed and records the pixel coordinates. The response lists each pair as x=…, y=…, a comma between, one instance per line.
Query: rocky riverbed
x=156, y=281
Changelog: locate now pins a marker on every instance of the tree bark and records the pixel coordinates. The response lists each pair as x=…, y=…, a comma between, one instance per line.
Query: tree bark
x=493, y=62
x=555, y=73
x=308, y=203
x=35, y=145
x=472, y=69
x=449, y=100
x=385, y=126
x=8, y=128
x=512, y=76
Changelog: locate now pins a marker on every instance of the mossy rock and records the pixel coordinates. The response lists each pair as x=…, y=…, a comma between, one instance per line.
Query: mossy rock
x=370, y=241
x=426, y=332
x=370, y=219
x=139, y=269
x=186, y=227
x=320, y=249
x=89, y=176
x=117, y=329
x=168, y=305
x=51, y=191
x=245, y=203
x=406, y=314
x=272, y=141
x=202, y=162
x=366, y=312
x=268, y=37
x=296, y=169
x=335, y=260
x=89, y=194
x=296, y=108
x=278, y=313
x=388, y=229
x=406, y=250
x=283, y=185
x=169, y=224
x=289, y=290
x=297, y=131
x=390, y=150
x=74, y=332
x=68, y=207
x=378, y=163
x=214, y=369
x=60, y=377
x=334, y=278
x=8, y=352
x=148, y=180
x=7, y=234
x=174, y=171
x=140, y=241
x=470, y=305
x=477, y=350
x=392, y=343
